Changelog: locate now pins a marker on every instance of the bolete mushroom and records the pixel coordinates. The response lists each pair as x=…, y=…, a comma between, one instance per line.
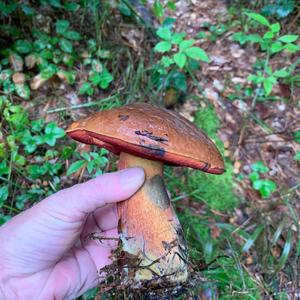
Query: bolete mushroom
x=148, y=136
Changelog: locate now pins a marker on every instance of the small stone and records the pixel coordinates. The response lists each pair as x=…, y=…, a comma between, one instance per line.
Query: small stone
x=249, y=260
x=30, y=61
x=211, y=94
x=247, y=169
x=226, y=153
x=218, y=85
x=238, y=80
x=16, y=62
x=37, y=82
x=226, y=144
x=237, y=164
x=241, y=105
x=18, y=78
x=282, y=107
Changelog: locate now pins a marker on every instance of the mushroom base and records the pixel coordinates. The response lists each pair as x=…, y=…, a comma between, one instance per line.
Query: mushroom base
x=152, y=238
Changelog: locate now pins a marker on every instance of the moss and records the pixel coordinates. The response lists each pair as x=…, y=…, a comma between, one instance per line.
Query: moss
x=217, y=191
x=232, y=280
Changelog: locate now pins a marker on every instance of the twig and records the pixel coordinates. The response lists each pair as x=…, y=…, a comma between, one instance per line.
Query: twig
x=88, y=104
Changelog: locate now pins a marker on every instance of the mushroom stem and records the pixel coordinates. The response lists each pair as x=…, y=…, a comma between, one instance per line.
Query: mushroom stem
x=151, y=235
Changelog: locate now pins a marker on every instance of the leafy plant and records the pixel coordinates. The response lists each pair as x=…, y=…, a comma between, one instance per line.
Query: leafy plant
x=26, y=138
x=92, y=161
x=184, y=49
x=279, y=8
x=179, y=56
x=297, y=156
x=265, y=186
x=271, y=43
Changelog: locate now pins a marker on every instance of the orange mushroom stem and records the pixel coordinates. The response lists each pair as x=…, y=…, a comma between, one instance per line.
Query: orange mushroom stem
x=149, y=228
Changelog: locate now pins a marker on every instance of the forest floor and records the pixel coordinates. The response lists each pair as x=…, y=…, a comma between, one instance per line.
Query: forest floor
x=242, y=228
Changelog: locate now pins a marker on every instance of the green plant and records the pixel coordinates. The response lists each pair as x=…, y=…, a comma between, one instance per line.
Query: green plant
x=25, y=156
x=215, y=31
x=265, y=186
x=179, y=56
x=182, y=48
x=279, y=8
x=92, y=161
x=270, y=43
x=297, y=156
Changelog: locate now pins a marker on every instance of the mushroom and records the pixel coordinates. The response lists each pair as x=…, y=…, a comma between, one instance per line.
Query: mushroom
x=148, y=136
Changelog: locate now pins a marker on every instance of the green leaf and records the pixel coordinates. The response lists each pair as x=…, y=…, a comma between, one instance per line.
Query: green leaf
x=254, y=236
x=253, y=176
x=167, y=61
x=52, y=133
x=61, y=26
x=282, y=73
x=4, y=218
x=23, y=90
x=260, y=167
x=197, y=54
x=285, y=252
x=276, y=47
x=178, y=37
x=23, y=46
x=268, y=35
x=3, y=194
x=164, y=33
x=186, y=44
x=4, y=169
x=267, y=188
x=31, y=142
x=180, y=59
x=291, y=48
x=163, y=47
x=37, y=125
x=268, y=85
x=259, y=18
x=168, y=22
x=72, y=35
x=71, y=6
x=171, y=5
x=75, y=166
x=258, y=184
x=106, y=79
x=158, y=9
x=296, y=136
x=179, y=81
x=49, y=71
x=95, y=78
x=66, y=46
x=297, y=156
x=290, y=38
x=86, y=88
x=275, y=27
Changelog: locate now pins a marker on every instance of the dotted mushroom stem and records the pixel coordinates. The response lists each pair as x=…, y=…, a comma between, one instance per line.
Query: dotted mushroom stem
x=151, y=235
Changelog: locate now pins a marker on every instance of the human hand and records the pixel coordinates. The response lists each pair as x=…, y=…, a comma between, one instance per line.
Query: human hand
x=44, y=252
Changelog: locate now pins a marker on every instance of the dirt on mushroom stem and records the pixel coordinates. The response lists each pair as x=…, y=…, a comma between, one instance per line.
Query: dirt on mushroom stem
x=151, y=235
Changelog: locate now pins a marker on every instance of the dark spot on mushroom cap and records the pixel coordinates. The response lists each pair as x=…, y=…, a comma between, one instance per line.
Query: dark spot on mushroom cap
x=123, y=117
x=154, y=150
x=150, y=135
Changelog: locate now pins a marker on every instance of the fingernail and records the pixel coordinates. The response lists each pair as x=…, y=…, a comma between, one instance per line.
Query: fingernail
x=132, y=177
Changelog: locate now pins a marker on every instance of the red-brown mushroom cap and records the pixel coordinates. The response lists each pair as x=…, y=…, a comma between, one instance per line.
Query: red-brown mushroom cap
x=151, y=132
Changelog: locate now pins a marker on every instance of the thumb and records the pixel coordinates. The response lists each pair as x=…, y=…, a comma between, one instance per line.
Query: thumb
x=84, y=198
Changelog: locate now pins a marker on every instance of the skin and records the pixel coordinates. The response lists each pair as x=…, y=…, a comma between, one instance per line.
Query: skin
x=44, y=251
